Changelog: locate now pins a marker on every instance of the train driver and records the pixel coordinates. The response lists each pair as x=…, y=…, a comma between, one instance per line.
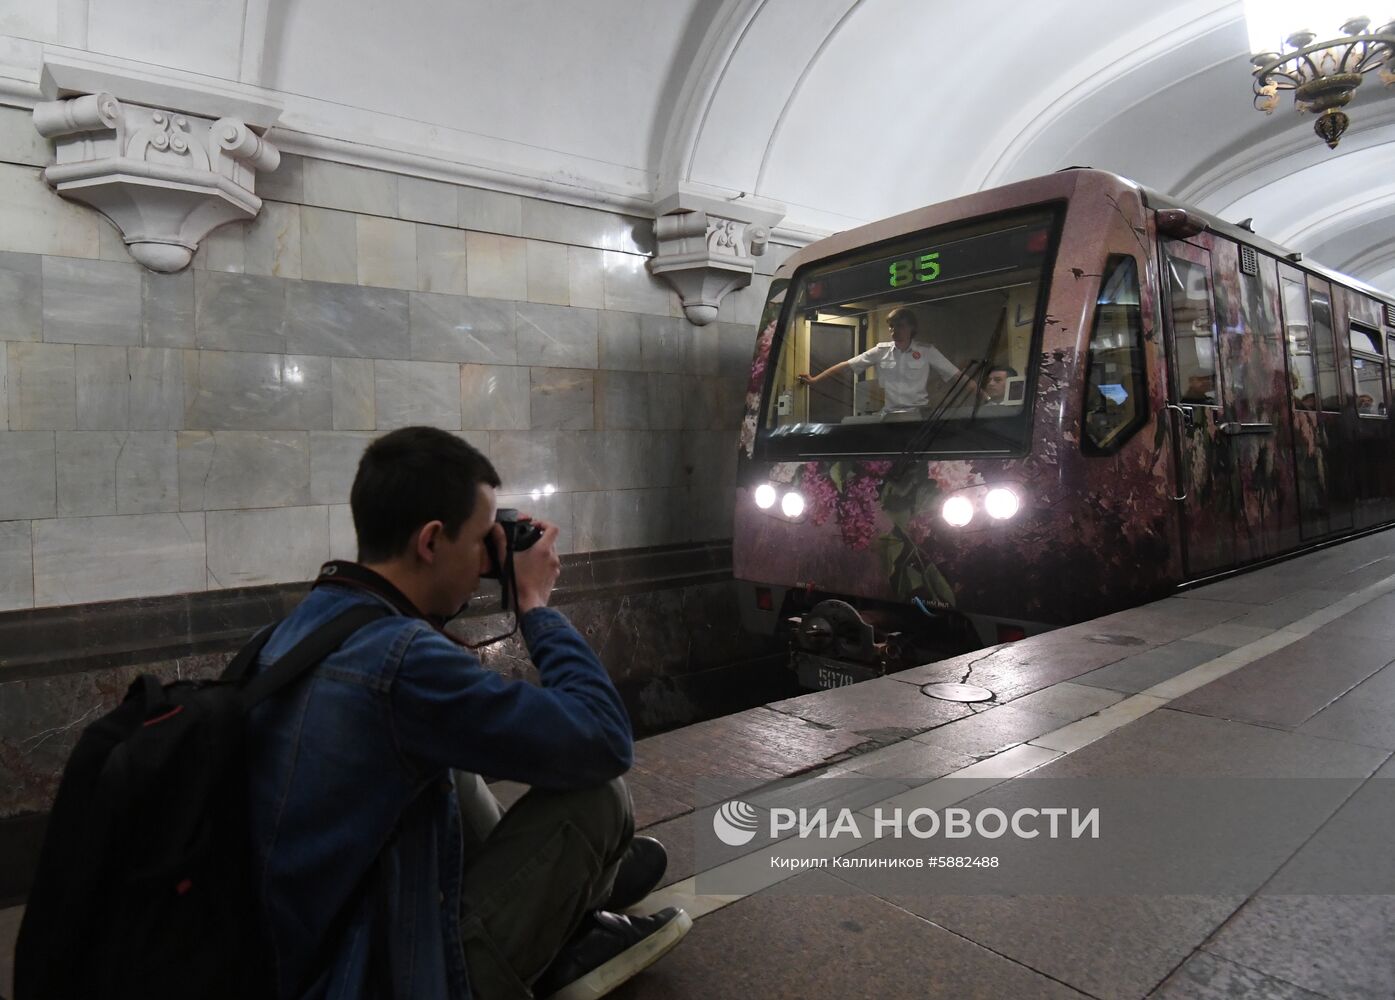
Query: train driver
x=995, y=385
x=903, y=364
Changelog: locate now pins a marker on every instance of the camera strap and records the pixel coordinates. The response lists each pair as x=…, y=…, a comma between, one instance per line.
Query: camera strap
x=508, y=599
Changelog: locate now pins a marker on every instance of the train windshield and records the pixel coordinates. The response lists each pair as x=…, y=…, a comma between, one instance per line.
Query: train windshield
x=925, y=345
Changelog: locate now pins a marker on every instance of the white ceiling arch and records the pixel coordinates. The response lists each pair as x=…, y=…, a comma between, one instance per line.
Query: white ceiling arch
x=841, y=110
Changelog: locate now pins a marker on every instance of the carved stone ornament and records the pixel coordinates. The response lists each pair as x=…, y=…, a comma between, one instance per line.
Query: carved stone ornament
x=707, y=246
x=165, y=179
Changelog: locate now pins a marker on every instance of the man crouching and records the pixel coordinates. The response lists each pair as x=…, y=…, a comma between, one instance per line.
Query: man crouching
x=381, y=873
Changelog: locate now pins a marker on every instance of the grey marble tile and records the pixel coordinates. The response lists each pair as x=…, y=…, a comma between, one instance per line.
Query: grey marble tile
x=744, y=305
x=586, y=277
x=417, y=392
x=498, y=266
x=235, y=469
x=103, y=388
x=528, y=460
x=669, y=400
x=38, y=221
x=4, y=390
x=147, y=473
x=16, y=566
x=42, y=386
x=622, y=401
x=707, y=456
x=29, y=459
x=91, y=302
x=236, y=391
x=87, y=471
x=422, y=200
x=353, y=189
x=620, y=341
x=622, y=519
x=344, y=321
x=736, y=348
x=455, y=328
x=157, y=388
x=442, y=261
x=272, y=241
x=334, y=457
x=22, y=142
x=21, y=297
x=665, y=344
x=563, y=399
x=78, y=560
x=328, y=245
x=587, y=227
x=490, y=211
x=495, y=397
x=224, y=249
x=548, y=273
x=629, y=287
x=252, y=547
x=286, y=182
x=387, y=252
x=352, y=394
x=343, y=541
x=240, y=312
x=557, y=336
x=704, y=350
x=167, y=309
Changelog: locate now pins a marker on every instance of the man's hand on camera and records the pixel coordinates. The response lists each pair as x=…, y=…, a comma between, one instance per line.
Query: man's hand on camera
x=536, y=569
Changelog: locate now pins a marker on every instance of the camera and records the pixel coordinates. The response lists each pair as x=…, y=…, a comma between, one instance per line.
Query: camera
x=518, y=535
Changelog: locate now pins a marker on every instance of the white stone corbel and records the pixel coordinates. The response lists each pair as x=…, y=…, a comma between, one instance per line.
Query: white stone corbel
x=707, y=246
x=165, y=177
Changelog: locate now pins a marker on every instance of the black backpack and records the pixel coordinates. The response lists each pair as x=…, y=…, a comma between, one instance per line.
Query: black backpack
x=144, y=885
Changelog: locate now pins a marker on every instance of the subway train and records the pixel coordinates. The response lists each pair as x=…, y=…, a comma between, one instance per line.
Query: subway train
x=1039, y=404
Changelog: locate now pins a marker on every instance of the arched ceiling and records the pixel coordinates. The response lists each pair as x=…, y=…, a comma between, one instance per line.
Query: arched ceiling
x=840, y=110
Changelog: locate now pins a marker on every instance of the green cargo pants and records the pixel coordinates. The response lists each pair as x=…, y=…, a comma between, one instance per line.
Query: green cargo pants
x=532, y=874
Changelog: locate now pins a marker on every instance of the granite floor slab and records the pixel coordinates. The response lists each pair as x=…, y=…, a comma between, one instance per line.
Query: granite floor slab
x=1208, y=977
x=1141, y=671
x=878, y=710
x=814, y=936
x=1363, y=715
x=1291, y=685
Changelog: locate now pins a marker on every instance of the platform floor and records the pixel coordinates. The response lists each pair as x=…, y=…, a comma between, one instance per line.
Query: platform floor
x=1286, y=672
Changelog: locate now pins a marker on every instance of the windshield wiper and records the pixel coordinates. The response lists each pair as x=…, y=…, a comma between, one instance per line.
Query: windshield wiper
x=926, y=435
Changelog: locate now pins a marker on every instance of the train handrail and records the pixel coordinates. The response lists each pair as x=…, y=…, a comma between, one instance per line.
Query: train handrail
x=1234, y=428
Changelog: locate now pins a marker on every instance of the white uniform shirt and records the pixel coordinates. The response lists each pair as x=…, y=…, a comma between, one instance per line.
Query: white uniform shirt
x=902, y=374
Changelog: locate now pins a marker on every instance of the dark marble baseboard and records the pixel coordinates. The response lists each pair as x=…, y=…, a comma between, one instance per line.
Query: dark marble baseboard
x=77, y=638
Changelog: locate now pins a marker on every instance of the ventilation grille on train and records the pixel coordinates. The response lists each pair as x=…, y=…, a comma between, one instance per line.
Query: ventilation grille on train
x=1390, y=315
x=1249, y=260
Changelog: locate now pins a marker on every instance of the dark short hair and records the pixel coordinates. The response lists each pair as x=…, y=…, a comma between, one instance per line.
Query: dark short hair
x=408, y=478
x=897, y=315
x=1012, y=372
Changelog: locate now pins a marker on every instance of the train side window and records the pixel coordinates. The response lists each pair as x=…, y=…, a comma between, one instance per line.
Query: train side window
x=1114, y=384
x=1368, y=371
x=1298, y=341
x=1194, y=331
x=1324, y=351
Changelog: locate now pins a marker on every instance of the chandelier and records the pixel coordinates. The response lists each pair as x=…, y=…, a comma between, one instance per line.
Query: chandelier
x=1322, y=69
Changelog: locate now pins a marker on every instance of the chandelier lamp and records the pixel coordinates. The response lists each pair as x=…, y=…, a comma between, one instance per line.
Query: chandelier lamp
x=1297, y=47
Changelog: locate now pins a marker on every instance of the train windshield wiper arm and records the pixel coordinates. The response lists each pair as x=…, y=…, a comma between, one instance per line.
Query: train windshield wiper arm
x=926, y=435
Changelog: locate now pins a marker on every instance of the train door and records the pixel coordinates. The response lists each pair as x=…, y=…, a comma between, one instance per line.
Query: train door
x=1321, y=466
x=1205, y=500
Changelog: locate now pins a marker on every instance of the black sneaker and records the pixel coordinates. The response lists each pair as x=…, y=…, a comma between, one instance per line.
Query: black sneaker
x=640, y=870
x=607, y=951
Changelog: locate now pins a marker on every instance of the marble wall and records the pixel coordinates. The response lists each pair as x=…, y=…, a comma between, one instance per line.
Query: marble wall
x=165, y=434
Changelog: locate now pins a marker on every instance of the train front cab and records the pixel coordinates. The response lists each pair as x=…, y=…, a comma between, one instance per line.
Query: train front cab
x=1280, y=392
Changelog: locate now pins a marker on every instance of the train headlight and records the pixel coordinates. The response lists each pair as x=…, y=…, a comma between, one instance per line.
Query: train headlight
x=765, y=496
x=958, y=511
x=1001, y=503
x=792, y=504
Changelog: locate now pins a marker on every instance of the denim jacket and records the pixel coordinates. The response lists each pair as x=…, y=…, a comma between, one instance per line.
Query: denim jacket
x=354, y=760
